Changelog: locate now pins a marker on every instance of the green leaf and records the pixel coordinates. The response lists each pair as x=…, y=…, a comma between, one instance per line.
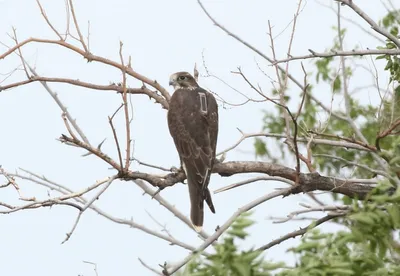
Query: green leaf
x=260, y=147
x=306, y=246
x=394, y=212
x=381, y=57
x=337, y=84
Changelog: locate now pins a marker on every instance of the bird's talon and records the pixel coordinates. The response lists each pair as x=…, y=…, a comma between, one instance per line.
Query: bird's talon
x=174, y=170
x=221, y=159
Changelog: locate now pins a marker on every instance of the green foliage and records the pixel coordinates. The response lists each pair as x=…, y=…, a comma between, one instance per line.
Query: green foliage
x=324, y=71
x=260, y=147
x=369, y=241
x=392, y=23
x=228, y=260
x=365, y=246
x=393, y=63
x=370, y=119
x=391, y=20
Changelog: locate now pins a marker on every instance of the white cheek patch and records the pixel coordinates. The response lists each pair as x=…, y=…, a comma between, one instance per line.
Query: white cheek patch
x=203, y=103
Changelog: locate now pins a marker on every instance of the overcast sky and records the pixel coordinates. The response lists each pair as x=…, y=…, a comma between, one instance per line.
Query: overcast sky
x=162, y=37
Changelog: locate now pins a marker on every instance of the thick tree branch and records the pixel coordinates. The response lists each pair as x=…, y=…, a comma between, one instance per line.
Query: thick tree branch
x=308, y=182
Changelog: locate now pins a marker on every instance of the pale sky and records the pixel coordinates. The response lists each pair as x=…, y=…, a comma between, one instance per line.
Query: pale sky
x=162, y=37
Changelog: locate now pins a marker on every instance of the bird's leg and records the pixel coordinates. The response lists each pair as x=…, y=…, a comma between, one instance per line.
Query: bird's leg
x=175, y=170
x=221, y=159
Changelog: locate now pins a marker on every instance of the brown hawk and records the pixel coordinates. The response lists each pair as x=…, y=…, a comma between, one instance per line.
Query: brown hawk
x=193, y=124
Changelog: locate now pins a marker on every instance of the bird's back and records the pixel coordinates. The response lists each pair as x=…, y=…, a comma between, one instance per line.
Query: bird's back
x=193, y=124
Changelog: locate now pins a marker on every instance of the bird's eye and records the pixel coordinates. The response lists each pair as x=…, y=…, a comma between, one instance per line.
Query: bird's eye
x=181, y=78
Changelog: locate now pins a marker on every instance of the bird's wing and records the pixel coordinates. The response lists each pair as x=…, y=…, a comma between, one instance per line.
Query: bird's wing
x=193, y=124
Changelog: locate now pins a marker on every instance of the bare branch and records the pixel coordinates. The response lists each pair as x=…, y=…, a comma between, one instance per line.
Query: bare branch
x=89, y=203
x=347, y=139
x=92, y=57
x=270, y=60
x=335, y=208
x=252, y=180
x=357, y=164
x=71, y=5
x=10, y=180
x=299, y=232
x=150, y=165
x=126, y=112
x=371, y=22
x=340, y=53
x=110, y=121
x=248, y=45
x=60, y=104
x=111, y=87
x=48, y=21
x=386, y=132
x=94, y=267
x=149, y=267
x=365, y=30
x=77, y=196
x=350, y=145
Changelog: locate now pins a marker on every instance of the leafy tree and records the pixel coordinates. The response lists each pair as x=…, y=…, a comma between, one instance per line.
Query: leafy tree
x=369, y=242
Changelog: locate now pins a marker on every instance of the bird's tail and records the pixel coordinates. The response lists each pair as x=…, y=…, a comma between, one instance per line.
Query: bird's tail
x=197, y=198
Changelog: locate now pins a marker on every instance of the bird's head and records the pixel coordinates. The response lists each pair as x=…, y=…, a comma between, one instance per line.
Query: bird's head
x=183, y=80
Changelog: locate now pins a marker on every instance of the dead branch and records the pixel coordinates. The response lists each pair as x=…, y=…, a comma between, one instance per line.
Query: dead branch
x=369, y=20
x=92, y=57
x=299, y=232
x=335, y=53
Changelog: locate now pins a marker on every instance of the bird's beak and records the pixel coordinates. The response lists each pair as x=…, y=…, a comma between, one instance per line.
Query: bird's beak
x=171, y=82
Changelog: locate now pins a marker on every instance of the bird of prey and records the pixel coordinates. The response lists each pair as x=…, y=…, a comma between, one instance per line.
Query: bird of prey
x=193, y=124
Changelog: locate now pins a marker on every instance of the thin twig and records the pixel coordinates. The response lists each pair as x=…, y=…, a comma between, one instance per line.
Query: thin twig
x=341, y=53
x=335, y=208
x=94, y=266
x=20, y=53
x=48, y=21
x=385, y=133
x=110, y=121
x=252, y=180
x=61, y=106
x=372, y=23
x=165, y=95
x=299, y=232
x=316, y=141
x=150, y=165
x=71, y=5
x=126, y=111
x=88, y=204
x=149, y=267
